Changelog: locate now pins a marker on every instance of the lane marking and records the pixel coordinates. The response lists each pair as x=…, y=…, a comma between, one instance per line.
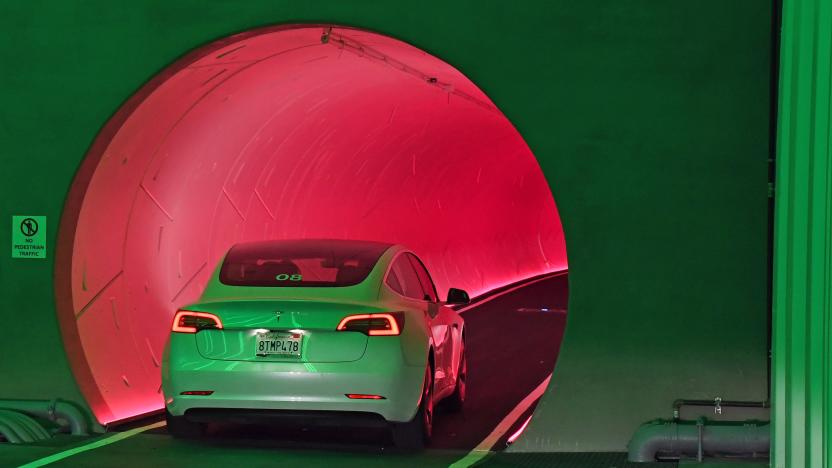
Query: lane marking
x=92, y=445
x=484, y=448
x=547, y=276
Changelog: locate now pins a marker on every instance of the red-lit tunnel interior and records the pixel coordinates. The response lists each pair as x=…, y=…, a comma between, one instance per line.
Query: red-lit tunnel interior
x=282, y=134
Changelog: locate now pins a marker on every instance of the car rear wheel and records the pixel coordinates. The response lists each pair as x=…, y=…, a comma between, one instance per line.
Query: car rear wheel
x=181, y=428
x=456, y=401
x=414, y=434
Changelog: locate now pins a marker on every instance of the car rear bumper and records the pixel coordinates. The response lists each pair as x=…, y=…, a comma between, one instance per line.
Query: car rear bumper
x=293, y=386
x=288, y=417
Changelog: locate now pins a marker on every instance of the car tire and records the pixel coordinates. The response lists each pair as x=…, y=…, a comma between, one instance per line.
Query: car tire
x=181, y=428
x=456, y=400
x=414, y=434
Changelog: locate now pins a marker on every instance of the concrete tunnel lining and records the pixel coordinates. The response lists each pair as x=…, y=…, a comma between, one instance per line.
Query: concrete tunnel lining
x=278, y=134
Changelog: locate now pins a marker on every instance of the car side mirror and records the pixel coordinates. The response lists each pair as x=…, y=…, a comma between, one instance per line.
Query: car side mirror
x=457, y=296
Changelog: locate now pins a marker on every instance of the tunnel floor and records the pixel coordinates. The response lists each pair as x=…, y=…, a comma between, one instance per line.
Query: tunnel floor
x=498, y=382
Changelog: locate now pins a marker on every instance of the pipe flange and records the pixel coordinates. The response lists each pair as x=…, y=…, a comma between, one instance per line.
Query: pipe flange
x=51, y=409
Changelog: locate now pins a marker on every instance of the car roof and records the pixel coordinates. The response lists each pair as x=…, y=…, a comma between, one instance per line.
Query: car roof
x=311, y=243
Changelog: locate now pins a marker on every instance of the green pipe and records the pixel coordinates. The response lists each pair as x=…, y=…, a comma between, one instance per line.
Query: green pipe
x=34, y=429
x=53, y=410
x=20, y=428
x=674, y=439
x=9, y=431
x=22, y=424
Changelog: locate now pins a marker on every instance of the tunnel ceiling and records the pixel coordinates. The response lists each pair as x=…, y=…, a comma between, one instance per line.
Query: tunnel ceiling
x=292, y=133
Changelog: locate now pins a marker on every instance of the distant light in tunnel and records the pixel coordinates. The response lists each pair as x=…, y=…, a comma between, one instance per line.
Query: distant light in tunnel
x=542, y=309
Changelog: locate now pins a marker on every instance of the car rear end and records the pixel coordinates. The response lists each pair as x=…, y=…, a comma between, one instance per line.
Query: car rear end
x=261, y=344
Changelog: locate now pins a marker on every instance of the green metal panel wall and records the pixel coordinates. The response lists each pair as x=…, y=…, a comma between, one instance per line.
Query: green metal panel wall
x=802, y=383
x=650, y=120
x=671, y=320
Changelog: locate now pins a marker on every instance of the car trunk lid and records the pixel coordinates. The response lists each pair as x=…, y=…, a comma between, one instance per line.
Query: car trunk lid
x=282, y=322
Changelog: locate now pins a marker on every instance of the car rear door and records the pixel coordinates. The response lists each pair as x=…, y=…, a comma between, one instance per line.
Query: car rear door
x=442, y=326
x=404, y=279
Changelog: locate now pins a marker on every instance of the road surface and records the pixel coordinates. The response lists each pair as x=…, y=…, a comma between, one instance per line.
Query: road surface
x=512, y=342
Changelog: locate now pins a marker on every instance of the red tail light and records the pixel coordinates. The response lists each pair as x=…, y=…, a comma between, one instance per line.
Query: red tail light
x=386, y=324
x=187, y=321
x=361, y=396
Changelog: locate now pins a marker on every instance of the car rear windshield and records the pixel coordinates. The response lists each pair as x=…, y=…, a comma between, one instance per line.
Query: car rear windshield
x=300, y=263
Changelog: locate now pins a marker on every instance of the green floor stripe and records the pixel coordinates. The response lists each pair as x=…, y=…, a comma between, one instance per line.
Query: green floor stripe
x=92, y=445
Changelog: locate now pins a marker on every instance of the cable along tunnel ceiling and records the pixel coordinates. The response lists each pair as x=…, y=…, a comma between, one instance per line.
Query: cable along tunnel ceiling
x=279, y=135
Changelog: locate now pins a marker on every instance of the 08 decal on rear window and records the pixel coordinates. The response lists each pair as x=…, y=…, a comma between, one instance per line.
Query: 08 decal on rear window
x=300, y=263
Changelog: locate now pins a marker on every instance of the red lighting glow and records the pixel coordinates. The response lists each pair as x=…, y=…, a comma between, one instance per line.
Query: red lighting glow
x=274, y=134
x=186, y=321
x=389, y=326
x=519, y=431
x=361, y=396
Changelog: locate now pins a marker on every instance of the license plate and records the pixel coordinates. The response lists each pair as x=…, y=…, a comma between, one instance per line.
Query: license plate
x=278, y=343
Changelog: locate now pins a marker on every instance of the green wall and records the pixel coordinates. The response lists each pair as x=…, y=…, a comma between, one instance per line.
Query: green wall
x=650, y=120
x=802, y=383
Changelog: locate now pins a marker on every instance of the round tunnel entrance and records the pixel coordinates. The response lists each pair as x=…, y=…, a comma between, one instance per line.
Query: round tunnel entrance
x=285, y=133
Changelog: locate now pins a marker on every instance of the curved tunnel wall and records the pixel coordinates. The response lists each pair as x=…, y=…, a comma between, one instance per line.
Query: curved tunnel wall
x=283, y=134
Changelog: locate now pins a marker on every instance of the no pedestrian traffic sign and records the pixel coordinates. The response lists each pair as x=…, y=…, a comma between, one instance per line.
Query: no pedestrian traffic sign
x=28, y=236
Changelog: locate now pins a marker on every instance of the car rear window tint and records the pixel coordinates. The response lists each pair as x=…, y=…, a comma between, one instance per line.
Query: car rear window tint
x=428, y=289
x=394, y=282
x=407, y=278
x=300, y=263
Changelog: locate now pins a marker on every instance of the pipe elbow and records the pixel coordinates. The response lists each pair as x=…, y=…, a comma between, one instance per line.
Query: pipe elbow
x=52, y=410
x=648, y=440
x=76, y=419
